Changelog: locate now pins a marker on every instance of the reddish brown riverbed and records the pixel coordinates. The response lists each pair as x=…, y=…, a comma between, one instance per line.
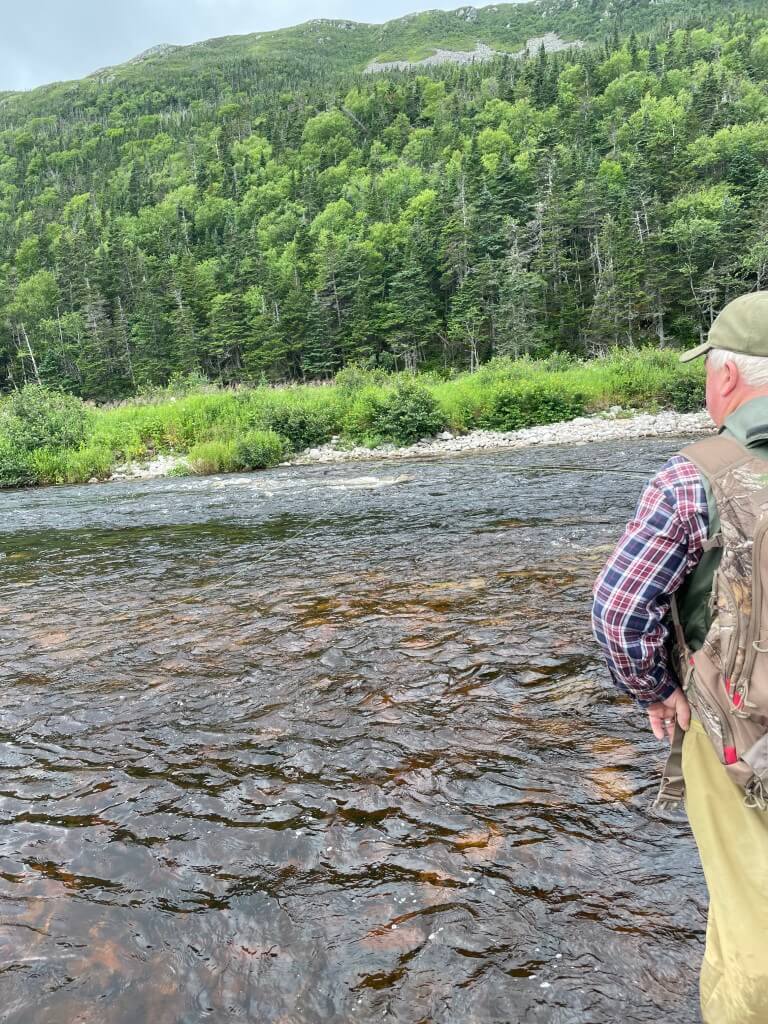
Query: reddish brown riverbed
x=319, y=746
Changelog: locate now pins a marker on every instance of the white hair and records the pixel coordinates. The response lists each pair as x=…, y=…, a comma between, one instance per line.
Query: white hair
x=753, y=369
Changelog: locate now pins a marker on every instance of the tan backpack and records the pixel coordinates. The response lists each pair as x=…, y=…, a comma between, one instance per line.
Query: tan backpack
x=726, y=681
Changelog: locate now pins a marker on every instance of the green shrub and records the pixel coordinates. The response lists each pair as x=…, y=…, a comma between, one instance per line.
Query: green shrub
x=205, y=418
x=86, y=464
x=180, y=469
x=259, y=449
x=464, y=403
x=304, y=426
x=190, y=383
x=38, y=418
x=212, y=457
x=71, y=467
x=504, y=369
x=557, y=362
x=402, y=416
x=354, y=378
x=179, y=385
x=410, y=413
x=120, y=436
x=49, y=465
x=684, y=393
x=151, y=424
x=16, y=469
x=363, y=412
x=648, y=378
x=528, y=404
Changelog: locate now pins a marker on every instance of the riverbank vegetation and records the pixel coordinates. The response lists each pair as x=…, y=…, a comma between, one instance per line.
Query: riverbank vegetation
x=48, y=436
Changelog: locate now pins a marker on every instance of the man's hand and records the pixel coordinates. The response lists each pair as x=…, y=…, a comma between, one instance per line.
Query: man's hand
x=664, y=714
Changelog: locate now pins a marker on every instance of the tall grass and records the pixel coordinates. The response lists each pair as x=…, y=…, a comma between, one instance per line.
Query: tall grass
x=49, y=438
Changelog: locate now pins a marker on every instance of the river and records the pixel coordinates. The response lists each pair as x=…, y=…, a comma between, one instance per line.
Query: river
x=332, y=744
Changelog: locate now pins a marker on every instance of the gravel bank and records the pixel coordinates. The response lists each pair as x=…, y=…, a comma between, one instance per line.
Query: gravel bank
x=610, y=426
x=615, y=425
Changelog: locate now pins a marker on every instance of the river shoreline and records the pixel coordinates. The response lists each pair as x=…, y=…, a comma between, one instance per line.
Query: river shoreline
x=615, y=425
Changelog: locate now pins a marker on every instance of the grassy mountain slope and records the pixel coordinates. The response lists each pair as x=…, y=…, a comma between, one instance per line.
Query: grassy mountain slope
x=351, y=46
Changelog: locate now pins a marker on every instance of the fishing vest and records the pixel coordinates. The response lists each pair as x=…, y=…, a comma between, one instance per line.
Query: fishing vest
x=720, y=615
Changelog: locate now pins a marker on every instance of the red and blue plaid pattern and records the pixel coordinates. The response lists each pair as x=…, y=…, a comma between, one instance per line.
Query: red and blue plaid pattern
x=659, y=548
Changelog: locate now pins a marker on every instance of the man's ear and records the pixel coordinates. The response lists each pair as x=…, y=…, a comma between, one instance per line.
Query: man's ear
x=731, y=378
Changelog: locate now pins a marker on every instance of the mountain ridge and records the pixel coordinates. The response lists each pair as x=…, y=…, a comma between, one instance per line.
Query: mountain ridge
x=353, y=45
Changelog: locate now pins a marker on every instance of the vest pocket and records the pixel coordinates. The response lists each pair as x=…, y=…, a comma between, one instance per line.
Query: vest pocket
x=754, y=642
x=715, y=722
x=727, y=623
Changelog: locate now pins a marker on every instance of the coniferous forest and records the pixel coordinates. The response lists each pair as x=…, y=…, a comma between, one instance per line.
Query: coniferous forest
x=260, y=209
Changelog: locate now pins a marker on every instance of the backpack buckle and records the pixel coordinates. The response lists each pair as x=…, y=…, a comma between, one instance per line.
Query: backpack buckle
x=756, y=798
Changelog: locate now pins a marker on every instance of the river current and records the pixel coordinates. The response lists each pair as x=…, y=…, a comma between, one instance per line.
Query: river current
x=332, y=744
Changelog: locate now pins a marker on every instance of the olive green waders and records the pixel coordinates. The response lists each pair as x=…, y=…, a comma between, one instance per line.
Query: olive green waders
x=733, y=845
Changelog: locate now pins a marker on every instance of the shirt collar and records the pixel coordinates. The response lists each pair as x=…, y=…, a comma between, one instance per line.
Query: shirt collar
x=749, y=423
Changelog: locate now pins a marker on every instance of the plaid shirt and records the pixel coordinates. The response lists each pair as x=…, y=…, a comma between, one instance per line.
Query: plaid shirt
x=659, y=548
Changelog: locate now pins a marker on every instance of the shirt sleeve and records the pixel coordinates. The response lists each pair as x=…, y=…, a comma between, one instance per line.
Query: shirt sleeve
x=661, y=545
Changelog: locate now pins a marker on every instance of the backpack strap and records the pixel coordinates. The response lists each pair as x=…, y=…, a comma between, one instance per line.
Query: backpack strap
x=672, y=788
x=716, y=455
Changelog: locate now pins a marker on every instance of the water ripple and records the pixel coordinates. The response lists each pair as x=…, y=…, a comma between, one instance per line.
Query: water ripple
x=313, y=746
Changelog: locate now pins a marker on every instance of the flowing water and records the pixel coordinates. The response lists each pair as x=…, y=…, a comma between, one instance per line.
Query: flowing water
x=332, y=745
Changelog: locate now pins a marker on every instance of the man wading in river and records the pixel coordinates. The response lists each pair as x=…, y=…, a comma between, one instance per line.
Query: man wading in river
x=681, y=613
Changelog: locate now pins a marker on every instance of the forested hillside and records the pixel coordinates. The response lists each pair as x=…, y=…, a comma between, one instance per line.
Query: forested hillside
x=260, y=208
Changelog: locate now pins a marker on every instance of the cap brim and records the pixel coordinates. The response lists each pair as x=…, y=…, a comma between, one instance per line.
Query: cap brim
x=694, y=353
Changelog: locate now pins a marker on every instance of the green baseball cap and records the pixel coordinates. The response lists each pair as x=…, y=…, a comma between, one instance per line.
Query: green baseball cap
x=741, y=327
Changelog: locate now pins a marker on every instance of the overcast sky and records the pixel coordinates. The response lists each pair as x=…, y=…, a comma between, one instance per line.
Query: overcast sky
x=54, y=40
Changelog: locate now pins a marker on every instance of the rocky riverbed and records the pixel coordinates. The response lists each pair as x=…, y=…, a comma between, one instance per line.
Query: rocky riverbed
x=615, y=424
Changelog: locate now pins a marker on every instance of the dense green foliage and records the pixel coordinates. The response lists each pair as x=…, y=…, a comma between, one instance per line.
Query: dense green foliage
x=258, y=449
x=519, y=404
x=257, y=209
x=48, y=437
x=402, y=414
